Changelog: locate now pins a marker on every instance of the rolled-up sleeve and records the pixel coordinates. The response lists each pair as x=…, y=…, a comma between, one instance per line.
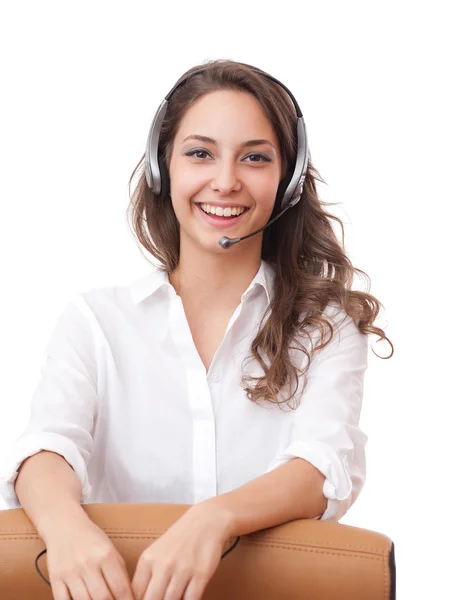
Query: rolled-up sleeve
x=325, y=429
x=64, y=403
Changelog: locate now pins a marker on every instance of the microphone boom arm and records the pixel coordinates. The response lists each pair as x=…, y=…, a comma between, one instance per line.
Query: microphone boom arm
x=226, y=242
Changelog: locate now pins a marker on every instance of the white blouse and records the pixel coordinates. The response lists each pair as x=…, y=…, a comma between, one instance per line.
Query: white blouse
x=125, y=398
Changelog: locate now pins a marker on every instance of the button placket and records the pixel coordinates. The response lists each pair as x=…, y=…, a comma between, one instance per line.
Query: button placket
x=214, y=375
x=204, y=447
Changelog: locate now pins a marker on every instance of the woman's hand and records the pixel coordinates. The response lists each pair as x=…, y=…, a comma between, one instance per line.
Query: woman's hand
x=179, y=564
x=83, y=564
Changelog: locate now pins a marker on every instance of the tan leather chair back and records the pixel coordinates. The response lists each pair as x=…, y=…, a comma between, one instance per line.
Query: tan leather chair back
x=299, y=560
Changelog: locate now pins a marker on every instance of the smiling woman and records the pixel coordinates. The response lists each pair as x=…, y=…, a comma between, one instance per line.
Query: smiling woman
x=174, y=388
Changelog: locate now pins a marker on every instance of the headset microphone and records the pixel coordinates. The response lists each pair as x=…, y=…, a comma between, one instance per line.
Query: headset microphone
x=226, y=242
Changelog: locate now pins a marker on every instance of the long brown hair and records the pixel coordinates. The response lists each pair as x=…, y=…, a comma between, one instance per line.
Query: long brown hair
x=311, y=266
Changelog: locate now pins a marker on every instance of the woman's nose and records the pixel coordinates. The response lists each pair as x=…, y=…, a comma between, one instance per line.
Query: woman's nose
x=226, y=177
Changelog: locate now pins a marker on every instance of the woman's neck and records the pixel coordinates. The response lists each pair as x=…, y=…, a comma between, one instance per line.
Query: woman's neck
x=214, y=280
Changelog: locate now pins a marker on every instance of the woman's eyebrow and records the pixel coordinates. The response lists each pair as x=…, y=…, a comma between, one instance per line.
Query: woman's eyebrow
x=204, y=138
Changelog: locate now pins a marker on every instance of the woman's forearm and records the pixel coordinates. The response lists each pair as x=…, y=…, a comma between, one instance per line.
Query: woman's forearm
x=292, y=491
x=49, y=492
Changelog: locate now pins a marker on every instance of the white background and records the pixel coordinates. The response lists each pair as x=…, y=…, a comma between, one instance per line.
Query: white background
x=377, y=84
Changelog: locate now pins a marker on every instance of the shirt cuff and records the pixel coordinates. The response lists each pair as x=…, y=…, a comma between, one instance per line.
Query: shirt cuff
x=32, y=444
x=337, y=486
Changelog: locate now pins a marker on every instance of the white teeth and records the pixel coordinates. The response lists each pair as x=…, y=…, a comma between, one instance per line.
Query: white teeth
x=220, y=212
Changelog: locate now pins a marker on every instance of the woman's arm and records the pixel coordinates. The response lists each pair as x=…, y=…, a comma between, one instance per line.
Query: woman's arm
x=292, y=491
x=321, y=468
x=62, y=411
x=49, y=492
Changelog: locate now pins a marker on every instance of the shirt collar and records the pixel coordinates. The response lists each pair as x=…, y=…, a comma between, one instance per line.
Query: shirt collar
x=149, y=284
x=158, y=278
x=264, y=279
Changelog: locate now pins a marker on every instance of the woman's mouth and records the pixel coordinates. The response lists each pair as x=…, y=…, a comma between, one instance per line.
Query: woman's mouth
x=220, y=217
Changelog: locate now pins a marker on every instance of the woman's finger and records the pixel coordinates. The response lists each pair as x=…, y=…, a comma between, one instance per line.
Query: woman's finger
x=97, y=585
x=157, y=586
x=196, y=588
x=176, y=588
x=117, y=578
x=59, y=590
x=78, y=589
x=141, y=579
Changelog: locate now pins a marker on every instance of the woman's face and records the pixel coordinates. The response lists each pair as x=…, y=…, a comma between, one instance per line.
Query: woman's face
x=230, y=171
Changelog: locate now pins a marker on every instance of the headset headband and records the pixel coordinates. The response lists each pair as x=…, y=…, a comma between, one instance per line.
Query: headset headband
x=290, y=188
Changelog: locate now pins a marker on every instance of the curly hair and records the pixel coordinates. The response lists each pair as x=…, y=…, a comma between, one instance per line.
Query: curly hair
x=311, y=267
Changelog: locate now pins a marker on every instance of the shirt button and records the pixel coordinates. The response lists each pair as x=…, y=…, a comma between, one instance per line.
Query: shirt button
x=215, y=378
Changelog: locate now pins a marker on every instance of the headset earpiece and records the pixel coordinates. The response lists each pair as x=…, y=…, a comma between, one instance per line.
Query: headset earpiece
x=164, y=174
x=283, y=185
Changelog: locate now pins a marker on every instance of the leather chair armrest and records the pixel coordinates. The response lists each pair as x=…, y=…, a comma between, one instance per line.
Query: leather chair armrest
x=317, y=560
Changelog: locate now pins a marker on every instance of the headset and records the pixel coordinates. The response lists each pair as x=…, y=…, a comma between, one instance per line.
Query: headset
x=290, y=188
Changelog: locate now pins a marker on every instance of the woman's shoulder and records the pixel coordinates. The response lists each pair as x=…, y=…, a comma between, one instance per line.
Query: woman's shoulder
x=333, y=312
x=122, y=295
x=332, y=323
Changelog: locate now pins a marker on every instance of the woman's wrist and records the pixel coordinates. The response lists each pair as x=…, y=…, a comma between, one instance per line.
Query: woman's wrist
x=62, y=523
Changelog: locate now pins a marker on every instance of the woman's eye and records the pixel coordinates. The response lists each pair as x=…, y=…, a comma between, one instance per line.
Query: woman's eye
x=193, y=152
x=264, y=158
x=196, y=152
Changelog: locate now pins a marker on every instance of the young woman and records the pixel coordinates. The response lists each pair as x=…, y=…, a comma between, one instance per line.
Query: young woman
x=230, y=378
